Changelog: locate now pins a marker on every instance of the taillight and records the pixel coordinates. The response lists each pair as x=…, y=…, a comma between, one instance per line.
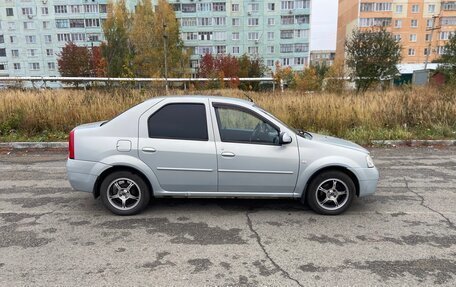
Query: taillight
x=71, y=145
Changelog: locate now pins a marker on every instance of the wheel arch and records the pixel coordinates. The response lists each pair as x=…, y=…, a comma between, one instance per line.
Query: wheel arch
x=339, y=168
x=105, y=173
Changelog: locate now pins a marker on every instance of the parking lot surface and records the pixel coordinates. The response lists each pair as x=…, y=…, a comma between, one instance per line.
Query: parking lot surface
x=403, y=235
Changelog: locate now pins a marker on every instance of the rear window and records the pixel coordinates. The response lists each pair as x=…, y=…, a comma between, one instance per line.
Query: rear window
x=179, y=121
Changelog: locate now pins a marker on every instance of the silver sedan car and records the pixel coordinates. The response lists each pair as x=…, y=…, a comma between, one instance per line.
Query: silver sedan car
x=202, y=146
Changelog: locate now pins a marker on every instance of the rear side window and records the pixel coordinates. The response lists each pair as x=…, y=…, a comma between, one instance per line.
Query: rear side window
x=179, y=121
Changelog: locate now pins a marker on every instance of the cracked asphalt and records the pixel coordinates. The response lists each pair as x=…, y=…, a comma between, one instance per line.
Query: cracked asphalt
x=403, y=235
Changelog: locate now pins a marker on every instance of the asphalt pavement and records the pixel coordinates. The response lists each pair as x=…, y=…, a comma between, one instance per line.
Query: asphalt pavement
x=403, y=235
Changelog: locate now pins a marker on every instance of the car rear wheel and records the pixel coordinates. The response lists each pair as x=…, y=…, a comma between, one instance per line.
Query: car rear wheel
x=331, y=193
x=124, y=193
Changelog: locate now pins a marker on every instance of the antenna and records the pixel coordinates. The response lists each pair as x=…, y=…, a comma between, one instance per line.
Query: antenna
x=249, y=98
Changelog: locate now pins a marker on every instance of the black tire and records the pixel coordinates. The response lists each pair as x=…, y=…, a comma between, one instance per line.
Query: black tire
x=139, y=189
x=325, y=180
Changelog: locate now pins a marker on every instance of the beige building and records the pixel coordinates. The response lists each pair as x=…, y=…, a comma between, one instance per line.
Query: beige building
x=411, y=21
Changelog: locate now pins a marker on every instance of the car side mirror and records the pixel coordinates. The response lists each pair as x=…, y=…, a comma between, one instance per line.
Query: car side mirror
x=285, y=138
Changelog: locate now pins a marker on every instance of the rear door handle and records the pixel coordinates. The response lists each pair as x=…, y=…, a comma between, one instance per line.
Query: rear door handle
x=148, y=149
x=228, y=154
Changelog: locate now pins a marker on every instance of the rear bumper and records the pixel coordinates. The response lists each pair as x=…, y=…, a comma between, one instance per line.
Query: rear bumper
x=82, y=174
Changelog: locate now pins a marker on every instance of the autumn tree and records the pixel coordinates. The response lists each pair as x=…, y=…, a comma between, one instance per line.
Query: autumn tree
x=117, y=50
x=219, y=67
x=250, y=67
x=372, y=55
x=98, y=63
x=155, y=37
x=74, y=61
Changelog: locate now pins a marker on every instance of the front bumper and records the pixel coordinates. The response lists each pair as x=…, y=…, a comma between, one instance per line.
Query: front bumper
x=368, y=180
x=82, y=174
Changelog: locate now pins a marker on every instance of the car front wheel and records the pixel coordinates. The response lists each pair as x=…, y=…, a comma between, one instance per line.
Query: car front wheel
x=124, y=193
x=331, y=193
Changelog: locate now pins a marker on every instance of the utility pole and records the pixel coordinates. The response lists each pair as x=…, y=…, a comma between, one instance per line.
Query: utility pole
x=165, y=52
x=434, y=18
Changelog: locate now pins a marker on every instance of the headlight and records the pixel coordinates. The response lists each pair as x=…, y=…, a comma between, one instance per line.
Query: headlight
x=370, y=162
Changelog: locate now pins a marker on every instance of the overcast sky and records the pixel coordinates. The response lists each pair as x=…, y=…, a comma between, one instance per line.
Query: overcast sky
x=323, y=25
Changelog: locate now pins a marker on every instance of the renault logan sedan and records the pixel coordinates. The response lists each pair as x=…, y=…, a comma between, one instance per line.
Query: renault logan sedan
x=200, y=146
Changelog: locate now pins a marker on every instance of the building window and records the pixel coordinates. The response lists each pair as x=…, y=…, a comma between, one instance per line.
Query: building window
x=253, y=36
x=300, y=60
x=204, y=21
x=415, y=8
x=30, y=39
x=29, y=25
x=60, y=9
x=414, y=23
x=412, y=37
x=204, y=7
x=236, y=22
x=219, y=21
x=287, y=5
x=27, y=11
x=271, y=21
x=428, y=37
x=17, y=66
x=445, y=35
x=91, y=8
x=301, y=48
x=270, y=49
x=397, y=23
x=429, y=23
x=426, y=51
x=103, y=8
x=286, y=48
x=189, y=8
x=51, y=66
x=302, y=4
x=286, y=62
x=92, y=22
x=220, y=35
x=235, y=50
x=397, y=37
x=253, y=50
x=77, y=37
x=398, y=9
x=3, y=66
x=253, y=21
x=373, y=7
x=254, y=7
x=76, y=23
x=9, y=12
x=13, y=39
x=44, y=11
x=220, y=49
x=219, y=6
x=32, y=52
x=34, y=66
x=75, y=9
x=49, y=52
x=286, y=34
x=47, y=39
x=449, y=6
x=62, y=23
x=11, y=26
x=2, y=52
x=2, y=39
x=188, y=22
x=371, y=22
x=270, y=35
x=448, y=21
x=287, y=20
x=63, y=37
x=270, y=63
x=14, y=53
x=205, y=36
x=431, y=8
x=271, y=6
x=235, y=36
x=234, y=7
x=411, y=52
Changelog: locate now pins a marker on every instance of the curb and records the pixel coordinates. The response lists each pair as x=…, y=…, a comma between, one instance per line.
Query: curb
x=33, y=145
x=393, y=143
x=414, y=143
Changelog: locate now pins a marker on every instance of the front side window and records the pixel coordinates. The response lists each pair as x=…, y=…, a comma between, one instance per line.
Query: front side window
x=179, y=121
x=237, y=125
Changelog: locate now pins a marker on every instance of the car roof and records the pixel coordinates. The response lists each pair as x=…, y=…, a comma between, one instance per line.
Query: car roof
x=216, y=98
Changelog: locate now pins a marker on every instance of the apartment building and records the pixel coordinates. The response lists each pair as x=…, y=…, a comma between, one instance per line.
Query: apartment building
x=33, y=32
x=322, y=57
x=275, y=30
x=418, y=24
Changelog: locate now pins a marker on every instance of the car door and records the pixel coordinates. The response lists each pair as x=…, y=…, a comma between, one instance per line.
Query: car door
x=249, y=155
x=176, y=141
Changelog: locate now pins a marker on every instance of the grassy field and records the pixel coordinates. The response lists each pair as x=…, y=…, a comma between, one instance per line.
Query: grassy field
x=419, y=113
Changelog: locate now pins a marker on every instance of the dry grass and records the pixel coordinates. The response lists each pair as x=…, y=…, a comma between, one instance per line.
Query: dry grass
x=399, y=114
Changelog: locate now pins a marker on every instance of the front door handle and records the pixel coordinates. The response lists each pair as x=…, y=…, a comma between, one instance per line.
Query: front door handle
x=228, y=154
x=148, y=149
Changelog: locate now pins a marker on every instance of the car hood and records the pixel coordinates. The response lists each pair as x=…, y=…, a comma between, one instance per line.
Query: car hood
x=337, y=142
